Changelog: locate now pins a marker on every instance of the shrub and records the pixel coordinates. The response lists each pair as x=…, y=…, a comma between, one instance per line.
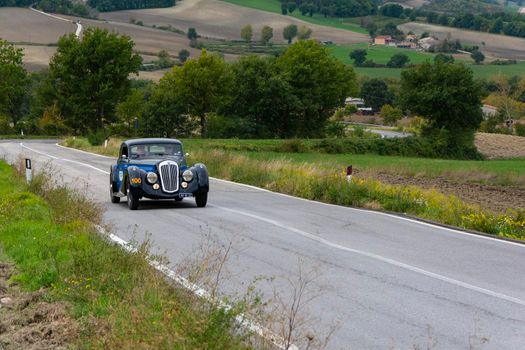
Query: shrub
x=335, y=129
x=292, y=146
x=519, y=129
x=391, y=114
x=96, y=138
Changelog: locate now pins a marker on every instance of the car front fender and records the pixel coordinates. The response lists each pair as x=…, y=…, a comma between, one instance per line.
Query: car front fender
x=202, y=176
x=136, y=176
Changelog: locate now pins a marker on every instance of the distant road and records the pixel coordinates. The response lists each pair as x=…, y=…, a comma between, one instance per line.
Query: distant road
x=79, y=25
x=391, y=282
x=386, y=134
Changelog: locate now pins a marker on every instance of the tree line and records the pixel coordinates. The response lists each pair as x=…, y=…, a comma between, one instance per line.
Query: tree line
x=87, y=89
x=329, y=8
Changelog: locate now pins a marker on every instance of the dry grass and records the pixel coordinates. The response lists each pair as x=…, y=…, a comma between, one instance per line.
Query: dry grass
x=500, y=146
x=495, y=45
x=219, y=19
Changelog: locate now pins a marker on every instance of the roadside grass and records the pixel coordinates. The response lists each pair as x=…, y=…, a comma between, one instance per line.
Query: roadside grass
x=117, y=298
x=316, y=183
x=275, y=7
x=506, y=172
x=320, y=177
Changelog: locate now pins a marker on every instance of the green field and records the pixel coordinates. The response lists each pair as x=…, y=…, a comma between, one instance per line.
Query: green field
x=378, y=53
x=275, y=6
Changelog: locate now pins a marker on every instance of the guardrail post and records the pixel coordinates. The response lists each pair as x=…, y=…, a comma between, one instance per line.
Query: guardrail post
x=29, y=171
x=349, y=171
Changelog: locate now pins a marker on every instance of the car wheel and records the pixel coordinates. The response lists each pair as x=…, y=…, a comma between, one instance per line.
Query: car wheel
x=201, y=199
x=114, y=199
x=133, y=198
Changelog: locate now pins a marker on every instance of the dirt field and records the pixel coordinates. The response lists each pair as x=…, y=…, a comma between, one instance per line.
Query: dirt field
x=219, y=19
x=28, y=322
x=494, y=198
x=495, y=146
x=495, y=45
x=24, y=25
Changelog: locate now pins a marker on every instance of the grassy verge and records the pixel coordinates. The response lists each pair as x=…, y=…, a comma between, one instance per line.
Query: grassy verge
x=117, y=299
x=312, y=176
x=492, y=172
x=275, y=7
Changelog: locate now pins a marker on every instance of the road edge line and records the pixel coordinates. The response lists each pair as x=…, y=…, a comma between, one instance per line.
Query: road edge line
x=241, y=319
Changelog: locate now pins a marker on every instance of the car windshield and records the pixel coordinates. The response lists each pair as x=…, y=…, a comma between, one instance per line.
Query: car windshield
x=155, y=149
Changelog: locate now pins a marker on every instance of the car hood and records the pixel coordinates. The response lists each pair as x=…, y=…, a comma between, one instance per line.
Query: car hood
x=151, y=163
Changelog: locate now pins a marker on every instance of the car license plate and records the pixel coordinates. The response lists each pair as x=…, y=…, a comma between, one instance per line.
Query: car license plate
x=184, y=195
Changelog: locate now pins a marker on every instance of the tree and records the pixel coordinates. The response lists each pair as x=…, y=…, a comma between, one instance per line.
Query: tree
x=262, y=98
x=192, y=34
x=202, y=84
x=290, y=32
x=165, y=113
x=304, y=33
x=391, y=114
x=90, y=76
x=399, y=60
x=183, y=55
x=131, y=109
x=443, y=58
x=359, y=56
x=477, y=56
x=375, y=92
x=13, y=81
x=266, y=34
x=247, y=33
x=448, y=97
x=318, y=81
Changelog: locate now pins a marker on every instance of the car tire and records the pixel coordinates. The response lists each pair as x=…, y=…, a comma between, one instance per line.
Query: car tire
x=133, y=198
x=201, y=199
x=114, y=199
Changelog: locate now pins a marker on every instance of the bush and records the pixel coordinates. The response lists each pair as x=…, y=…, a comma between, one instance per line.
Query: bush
x=519, y=129
x=96, y=138
x=292, y=146
x=220, y=127
x=5, y=128
x=335, y=129
x=391, y=114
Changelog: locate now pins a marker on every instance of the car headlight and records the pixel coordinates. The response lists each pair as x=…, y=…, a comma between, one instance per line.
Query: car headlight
x=187, y=175
x=152, y=178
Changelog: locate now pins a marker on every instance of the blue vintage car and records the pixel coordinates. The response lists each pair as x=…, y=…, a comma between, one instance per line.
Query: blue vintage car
x=156, y=169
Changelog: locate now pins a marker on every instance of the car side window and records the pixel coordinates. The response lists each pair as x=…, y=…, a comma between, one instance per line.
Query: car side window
x=124, y=151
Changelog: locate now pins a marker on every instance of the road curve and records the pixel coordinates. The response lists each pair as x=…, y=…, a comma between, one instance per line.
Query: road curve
x=391, y=282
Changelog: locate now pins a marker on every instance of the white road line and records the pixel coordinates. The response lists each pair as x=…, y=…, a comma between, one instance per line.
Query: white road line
x=494, y=239
x=378, y=257
x=79, y=150
x=65, y=159
x=202, y=293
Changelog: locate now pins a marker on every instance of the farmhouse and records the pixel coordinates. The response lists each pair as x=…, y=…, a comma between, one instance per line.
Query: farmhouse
x=356, y=101
x=383, y=40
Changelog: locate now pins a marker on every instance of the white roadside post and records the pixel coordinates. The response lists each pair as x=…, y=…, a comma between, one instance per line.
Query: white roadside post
x=349, y=173
x=29, y=171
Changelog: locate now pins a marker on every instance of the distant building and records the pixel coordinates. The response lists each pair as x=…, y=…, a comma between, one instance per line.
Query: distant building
x=406, y=45
x=411, y=38
x=383, y=40
x=427, y=43
x=357, y=102
x=489, y=110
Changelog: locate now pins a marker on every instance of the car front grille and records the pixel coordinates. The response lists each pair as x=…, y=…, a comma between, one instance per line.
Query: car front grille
x=169, y=176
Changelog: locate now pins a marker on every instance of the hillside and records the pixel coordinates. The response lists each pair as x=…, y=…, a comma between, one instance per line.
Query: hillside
x=218, y=19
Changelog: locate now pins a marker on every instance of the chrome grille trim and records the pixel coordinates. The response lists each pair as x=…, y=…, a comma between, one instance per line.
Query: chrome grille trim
x=169, y=176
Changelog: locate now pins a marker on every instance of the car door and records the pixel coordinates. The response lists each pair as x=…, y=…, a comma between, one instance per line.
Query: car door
x=122, y=165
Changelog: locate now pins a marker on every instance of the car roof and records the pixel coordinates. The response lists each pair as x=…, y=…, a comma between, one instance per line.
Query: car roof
x=133, y=142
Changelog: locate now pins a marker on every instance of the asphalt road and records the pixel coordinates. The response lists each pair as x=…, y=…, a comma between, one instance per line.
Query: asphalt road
x=392, y=283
